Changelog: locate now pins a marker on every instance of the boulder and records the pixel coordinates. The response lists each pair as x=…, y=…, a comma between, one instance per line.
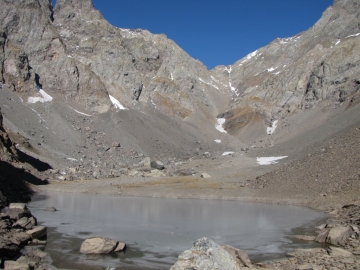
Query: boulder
x=38, y=253
x=17, y=213
x=205, y=175
x=98, y=245
x=20, y=238
x=25, y=222
x=157, y=165
x=205, y=254
x=120, y=247
x=338, y=235
x=17, y=206
x=239, y=255
x=155, y=173
x=37, y=232
x=12, y=265
x=335, y=236
x=146, y=162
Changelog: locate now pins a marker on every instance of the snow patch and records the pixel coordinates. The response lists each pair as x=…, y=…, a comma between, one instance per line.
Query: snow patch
x=271, y=130
x=210, y=84
x=117, y=103
x=232, y=88
x=79, y=111
x=268, y=160
x=249, y=56
x=217, y=141
x=152, y=102
x=227, y=153
x=271, y=69
x=128, y=32
x=44, y=97
x=220, y=122
x=355, y=35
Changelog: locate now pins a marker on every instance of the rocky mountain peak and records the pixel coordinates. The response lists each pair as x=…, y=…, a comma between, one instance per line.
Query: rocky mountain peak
x=78, y=55
x=78, y=4
x=350, y=5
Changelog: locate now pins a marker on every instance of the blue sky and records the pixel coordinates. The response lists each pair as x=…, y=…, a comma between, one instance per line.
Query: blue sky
x=217, y=32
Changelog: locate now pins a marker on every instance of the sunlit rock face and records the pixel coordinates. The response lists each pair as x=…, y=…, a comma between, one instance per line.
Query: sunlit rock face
x=73, y=51
x=317, y=66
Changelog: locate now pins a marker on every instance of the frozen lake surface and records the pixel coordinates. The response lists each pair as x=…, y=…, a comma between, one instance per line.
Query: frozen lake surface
x=157, y=230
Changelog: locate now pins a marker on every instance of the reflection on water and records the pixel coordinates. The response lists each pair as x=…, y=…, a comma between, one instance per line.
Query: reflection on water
x=156, y=230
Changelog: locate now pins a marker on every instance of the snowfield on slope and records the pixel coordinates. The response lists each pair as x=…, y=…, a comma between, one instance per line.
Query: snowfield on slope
x=44, y=97
x=268, y=160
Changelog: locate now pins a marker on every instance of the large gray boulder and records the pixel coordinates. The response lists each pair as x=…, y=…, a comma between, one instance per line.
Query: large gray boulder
x=205, y=255
x=38, y=232
x=101, y=245
x=157, y=165
x=335, y=236
x=239, y=255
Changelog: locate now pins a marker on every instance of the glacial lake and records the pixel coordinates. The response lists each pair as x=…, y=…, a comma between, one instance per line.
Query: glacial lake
x=157, y=230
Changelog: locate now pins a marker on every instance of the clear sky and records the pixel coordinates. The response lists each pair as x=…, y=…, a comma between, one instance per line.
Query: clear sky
x=216, y=32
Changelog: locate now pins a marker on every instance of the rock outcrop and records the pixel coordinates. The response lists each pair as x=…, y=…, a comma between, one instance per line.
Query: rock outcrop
x=8, y=151
x=317, y=66
x=205, y=254
x=101, y=245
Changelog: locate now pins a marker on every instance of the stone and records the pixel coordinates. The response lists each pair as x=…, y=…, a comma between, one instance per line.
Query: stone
x=21, y=206
x=146, y=162
x=12, y=265
x=133, y=173
x=157, y=165
x=239, y=255
x=205, y=254
x=25, y=222
x=115, y=144
x=51, y=209
x=338, y=235
x=120, y=247
x=205, y=175
x=37, y=232
x=36, y=242
x=38, y=253
x=20, y=238
x=98, y=245
x=17, y=213
x=321, y=238
x=155, y=173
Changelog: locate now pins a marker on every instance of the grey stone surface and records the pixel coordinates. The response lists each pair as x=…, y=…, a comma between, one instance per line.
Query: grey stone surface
x=205, y=255
x=37, y=232
x=156, y=164
x=98, y=245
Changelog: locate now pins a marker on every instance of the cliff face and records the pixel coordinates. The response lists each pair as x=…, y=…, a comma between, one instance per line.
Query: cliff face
x=74, y=52
x=8, y=152
x=318, y=66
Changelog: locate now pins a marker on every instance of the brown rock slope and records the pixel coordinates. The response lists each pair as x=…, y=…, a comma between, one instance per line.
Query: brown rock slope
x=328, y=177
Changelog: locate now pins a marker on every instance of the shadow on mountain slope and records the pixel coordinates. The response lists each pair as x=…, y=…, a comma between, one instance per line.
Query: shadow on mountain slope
x=36, y=163
x=14, y=183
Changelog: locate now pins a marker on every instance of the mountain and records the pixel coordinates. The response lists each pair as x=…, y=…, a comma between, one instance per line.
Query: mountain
x=124, y=94
x=317, y=66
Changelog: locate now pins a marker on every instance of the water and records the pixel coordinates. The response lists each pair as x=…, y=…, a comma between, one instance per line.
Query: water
x=157, y=230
